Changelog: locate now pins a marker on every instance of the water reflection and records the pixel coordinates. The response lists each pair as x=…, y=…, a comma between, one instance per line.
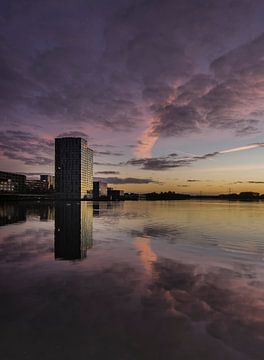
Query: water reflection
x=11, y=213
x=73, y=230
x=164, y=280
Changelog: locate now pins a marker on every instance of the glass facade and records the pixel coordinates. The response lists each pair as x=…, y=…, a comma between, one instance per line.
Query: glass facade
x=73, y=168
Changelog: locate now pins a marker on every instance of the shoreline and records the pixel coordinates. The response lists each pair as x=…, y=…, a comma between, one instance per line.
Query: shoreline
x=177, y=197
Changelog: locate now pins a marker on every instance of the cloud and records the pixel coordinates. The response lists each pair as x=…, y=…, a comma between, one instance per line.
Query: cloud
x=247, y=182
x=193, y=180
x=231, y=97
x=98, y=68
x=124, y=52
x=104, y=145
x=35, y=174
x=174, y=160
x=74, y=133
x=128, y=180
x=168, y=162
x=108, y=153
x=29, y=148
x=255, y=182
x=242, y=148
x=107, y=172
x=107, y=163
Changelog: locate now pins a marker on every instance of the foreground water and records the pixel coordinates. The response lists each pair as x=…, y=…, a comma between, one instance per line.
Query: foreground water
x=134, y=280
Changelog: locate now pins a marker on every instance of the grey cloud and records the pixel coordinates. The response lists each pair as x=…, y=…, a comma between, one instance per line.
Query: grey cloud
x=107, y=172
x=101, y=65
x=74, y=133
x=239, y=59
x=35, y=174
x=128, y=180
x=115, y=67
x=176, y=120
x=29, y=148
x=104, y=145
x=111, y=153
x=168, y=162
x=255, y=182
x=232, y=97
x=247, y=182
x=106, y=163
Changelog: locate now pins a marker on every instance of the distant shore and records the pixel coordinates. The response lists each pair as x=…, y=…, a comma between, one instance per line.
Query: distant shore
x=245, y=196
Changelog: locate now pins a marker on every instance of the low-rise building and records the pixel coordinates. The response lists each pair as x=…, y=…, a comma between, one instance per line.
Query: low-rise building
x=48, y=182
x=12, y=183
x=35, y=186
x=115, y=194
x=99, y=189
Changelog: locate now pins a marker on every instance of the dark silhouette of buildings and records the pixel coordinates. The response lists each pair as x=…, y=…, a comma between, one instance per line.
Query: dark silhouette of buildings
x=115, y=195
x=99, y=190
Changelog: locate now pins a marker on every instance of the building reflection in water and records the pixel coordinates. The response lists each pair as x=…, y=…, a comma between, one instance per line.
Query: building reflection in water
x=73, y=230
x=46, y=213
x=11, y=213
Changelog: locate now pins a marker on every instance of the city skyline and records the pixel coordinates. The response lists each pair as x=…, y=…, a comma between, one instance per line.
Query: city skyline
x=169, y=94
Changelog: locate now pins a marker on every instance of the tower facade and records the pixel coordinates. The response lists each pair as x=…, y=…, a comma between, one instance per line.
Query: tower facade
x=73, y=168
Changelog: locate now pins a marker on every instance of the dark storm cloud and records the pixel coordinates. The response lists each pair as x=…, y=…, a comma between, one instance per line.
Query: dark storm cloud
x=27, y=147
x=128, y=180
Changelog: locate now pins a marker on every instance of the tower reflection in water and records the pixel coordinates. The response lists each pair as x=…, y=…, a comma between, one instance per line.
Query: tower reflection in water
x=73, y=230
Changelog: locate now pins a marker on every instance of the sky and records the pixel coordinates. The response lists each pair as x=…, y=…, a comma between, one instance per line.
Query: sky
x=168, y=93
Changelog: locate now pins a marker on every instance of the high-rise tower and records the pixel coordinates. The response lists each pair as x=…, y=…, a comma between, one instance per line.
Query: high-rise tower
x=73, y=168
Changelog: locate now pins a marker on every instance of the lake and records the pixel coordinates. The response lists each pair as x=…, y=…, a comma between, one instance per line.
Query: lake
x=132, y=280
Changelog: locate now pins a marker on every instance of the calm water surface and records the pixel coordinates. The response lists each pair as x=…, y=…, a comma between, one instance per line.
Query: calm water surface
x=134, y=280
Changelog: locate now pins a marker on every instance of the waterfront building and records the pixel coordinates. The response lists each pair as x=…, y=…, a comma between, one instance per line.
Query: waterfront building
x=73, y=168
x=34, y=186
x=48, y=182
x=115, y=194
x=99, y=189
x=12, y=183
